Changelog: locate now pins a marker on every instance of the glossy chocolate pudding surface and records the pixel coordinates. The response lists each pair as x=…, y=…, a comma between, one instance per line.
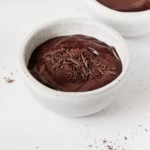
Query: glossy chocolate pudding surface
x=75, y=63
x=127, y=5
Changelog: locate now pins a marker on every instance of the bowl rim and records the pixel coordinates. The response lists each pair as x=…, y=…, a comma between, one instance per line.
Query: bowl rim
x=98, y=6
x=43, y=88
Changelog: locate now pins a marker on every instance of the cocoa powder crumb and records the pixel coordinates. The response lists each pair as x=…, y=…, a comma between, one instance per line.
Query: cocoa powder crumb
x=110, y=147
x=104, y=141
x=146, y=130
x=140, y=125
x=90, y=146
x=8, y=80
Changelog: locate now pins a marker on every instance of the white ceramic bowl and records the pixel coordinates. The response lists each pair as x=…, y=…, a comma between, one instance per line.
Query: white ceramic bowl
x=129, y=24
x=74, y=103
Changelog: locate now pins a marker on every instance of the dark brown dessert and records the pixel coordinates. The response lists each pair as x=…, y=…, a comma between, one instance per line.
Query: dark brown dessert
x=75, y=63
x=127, y=5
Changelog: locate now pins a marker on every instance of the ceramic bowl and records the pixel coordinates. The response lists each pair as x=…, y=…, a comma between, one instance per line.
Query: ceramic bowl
x=129, y=24
x=73, y=103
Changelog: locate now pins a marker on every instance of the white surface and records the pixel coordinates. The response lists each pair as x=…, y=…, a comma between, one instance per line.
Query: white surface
x=25, y=125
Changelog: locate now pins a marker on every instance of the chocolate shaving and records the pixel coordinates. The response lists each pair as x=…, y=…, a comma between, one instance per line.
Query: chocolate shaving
x=111, y=72
x=54, y=52
x=58, y=63
x=115, y=54
x=101, y=71
x=42, y=68
x=74, y=61
x=111, y=68
x=84, y=61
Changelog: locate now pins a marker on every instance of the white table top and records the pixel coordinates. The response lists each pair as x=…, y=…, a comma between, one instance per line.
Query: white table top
x=26, y=125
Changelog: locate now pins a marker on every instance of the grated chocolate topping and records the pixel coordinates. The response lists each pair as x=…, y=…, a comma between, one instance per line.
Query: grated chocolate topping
x=75, y=63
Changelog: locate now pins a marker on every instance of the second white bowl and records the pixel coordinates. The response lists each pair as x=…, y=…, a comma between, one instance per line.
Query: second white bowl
x=129, y=24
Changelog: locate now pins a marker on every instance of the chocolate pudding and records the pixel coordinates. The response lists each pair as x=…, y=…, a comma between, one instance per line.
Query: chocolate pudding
x=75, y=63
x=127, y=5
